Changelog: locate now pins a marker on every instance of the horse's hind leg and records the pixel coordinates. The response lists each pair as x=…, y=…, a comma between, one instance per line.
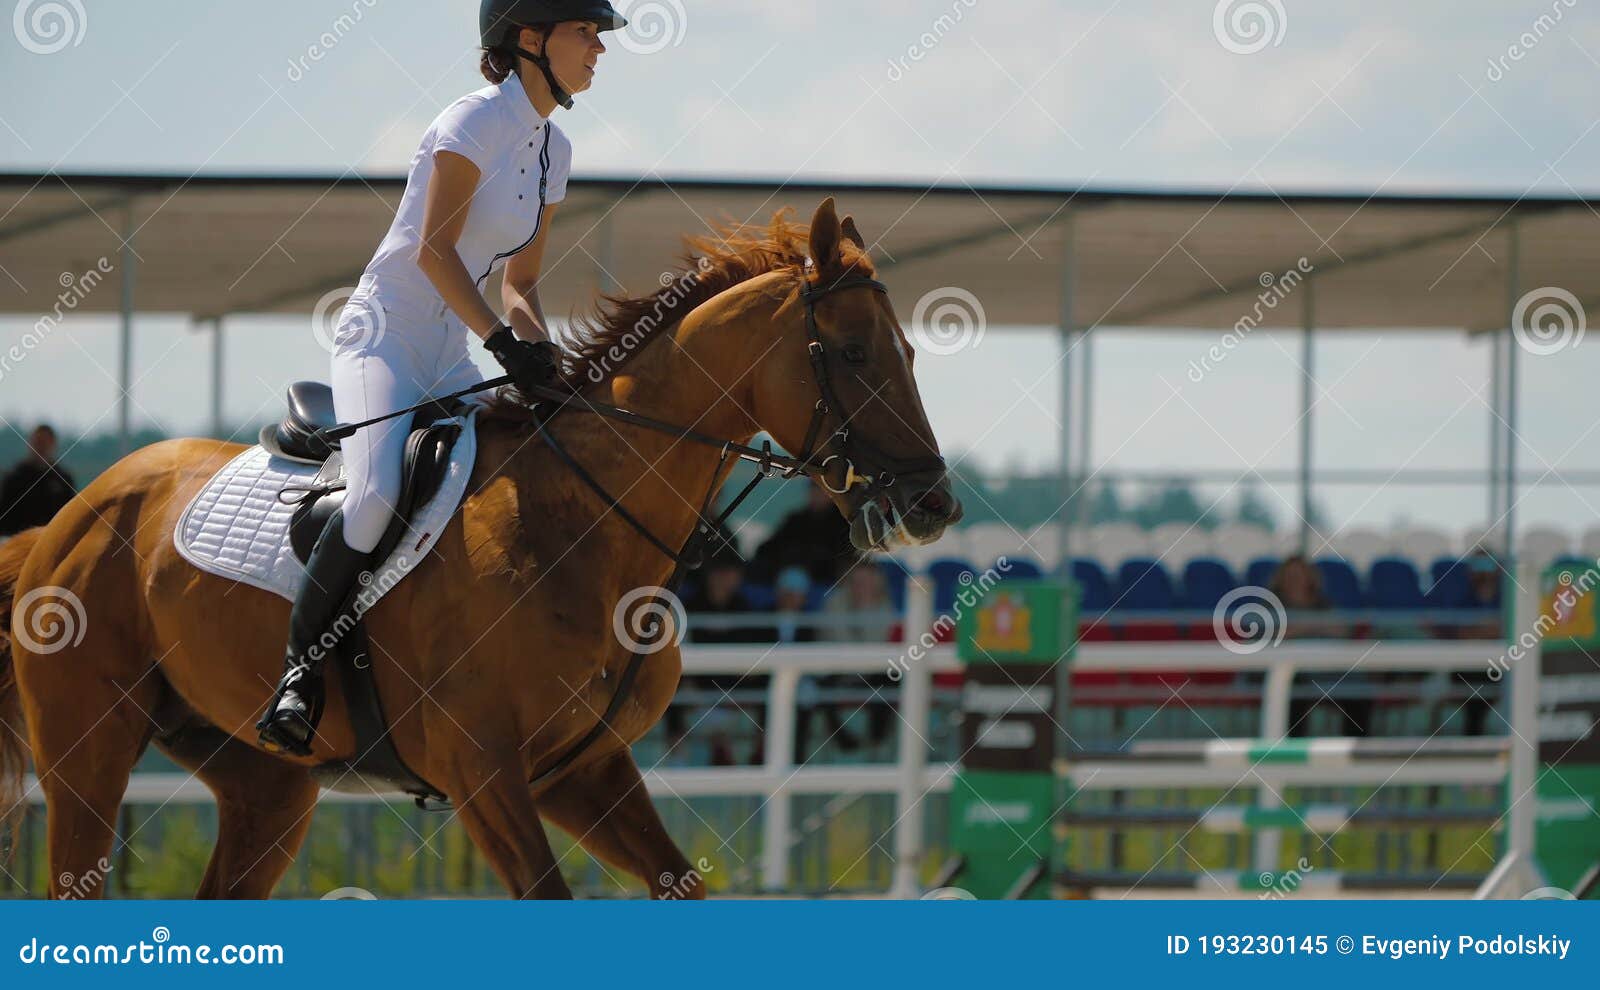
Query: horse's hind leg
x=88, y=729
x=264, y=808
x=606, y=807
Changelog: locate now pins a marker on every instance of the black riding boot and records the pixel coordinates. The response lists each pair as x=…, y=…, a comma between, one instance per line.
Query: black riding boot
x=331, y=573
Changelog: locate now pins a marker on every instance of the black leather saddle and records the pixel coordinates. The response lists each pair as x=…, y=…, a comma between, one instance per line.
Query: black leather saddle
x=425, y=462
x=423, y=466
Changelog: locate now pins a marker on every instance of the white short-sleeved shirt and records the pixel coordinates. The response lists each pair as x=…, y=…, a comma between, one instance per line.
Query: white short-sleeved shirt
x=517, y=151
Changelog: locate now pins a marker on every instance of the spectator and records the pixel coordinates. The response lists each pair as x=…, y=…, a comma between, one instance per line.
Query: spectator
x=34, y=490
x=719, y=594
x=815, y=537
x=793, y=589
x=865, y=591
x=1297, y=584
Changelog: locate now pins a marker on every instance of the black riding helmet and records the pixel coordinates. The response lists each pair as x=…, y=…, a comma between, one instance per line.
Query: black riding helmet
x=496, y=16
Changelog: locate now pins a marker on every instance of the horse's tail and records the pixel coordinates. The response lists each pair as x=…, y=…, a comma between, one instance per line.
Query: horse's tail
x=13, y=747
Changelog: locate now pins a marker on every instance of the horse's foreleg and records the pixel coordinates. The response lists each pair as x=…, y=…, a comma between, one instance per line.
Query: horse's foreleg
x=606, y=808
x=493, y=802
x=264, y=808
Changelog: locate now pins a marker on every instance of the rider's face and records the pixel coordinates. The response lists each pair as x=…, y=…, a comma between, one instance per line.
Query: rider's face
x=574, y=48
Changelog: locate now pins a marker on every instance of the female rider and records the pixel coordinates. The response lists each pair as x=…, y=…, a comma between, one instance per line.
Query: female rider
x=481, y=192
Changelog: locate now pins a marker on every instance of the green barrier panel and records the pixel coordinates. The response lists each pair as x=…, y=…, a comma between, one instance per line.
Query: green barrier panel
x=1567, y=834
x=1011, y=639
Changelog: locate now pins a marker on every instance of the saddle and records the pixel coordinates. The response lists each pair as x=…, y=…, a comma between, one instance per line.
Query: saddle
x=423, y=467
x=297, y=438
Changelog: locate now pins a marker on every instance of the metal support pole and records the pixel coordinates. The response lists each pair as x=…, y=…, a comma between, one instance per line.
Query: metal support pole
x=781, y=691
x=125, y=339
x=1513, y=293
x=1065, y=331
x=916, y=700
x=1525, y=674
x=217, y=429
x=1492, y=525
x=1308, y=384
x=1085, y=426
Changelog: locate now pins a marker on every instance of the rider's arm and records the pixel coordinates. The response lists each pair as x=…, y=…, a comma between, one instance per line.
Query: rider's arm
x=449, y=197
x=519, y=293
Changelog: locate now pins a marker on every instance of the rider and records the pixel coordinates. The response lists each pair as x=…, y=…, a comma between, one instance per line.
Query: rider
x=481, y=191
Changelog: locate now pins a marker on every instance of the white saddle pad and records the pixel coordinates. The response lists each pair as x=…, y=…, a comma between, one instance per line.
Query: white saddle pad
x=238, y=529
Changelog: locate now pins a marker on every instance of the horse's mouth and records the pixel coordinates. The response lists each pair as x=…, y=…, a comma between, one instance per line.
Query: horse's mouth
x=878, y=524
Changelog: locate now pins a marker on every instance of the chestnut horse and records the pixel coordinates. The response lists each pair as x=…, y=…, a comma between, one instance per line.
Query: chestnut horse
x=499, y=652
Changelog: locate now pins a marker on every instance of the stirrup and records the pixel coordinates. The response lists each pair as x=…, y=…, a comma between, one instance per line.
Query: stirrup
x=275, y=734
x=288, y=730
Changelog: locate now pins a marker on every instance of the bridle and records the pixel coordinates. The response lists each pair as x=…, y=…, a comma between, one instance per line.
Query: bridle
x=842, y=439
x=817, y=455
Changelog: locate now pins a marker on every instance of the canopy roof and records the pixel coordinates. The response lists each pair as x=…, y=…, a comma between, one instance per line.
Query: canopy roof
x=212, y=245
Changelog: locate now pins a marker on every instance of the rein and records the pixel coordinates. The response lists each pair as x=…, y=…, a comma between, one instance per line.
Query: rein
x=692, y=553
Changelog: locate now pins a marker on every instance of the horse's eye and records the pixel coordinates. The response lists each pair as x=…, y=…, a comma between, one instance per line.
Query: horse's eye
x=854, y=354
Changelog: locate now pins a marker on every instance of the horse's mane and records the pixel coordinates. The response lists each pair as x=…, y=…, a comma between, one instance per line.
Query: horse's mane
x=618, y=327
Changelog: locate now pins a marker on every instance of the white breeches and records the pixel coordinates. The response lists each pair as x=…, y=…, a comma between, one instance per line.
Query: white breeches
x=384, y=360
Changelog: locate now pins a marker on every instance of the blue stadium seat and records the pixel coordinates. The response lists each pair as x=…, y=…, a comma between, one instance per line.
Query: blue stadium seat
x=1093, y=586
x=1260, y=571
x=1021, y=567
x=946, y=576
x=1144, y=585
x=1339, y=583
x=1205, y=581
x=1393, y=583
x=1450, y=588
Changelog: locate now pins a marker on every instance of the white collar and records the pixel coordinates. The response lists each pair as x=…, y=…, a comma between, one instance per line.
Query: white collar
x=511, y=90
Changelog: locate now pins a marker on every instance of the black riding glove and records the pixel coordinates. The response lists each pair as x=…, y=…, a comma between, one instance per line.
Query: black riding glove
x=531, y=365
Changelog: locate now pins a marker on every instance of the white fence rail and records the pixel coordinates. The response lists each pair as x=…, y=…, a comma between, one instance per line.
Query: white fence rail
x=913, y=777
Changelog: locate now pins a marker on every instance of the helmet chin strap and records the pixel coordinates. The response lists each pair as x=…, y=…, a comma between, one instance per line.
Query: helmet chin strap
x=561, y=95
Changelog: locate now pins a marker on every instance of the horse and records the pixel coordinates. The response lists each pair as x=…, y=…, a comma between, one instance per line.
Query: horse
x=500, y=652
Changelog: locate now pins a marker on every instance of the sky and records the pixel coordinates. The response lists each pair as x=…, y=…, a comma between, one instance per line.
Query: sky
x=1362, y=95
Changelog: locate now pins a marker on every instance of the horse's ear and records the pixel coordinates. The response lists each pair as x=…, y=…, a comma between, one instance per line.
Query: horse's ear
x=825, y=236
x=847, y=227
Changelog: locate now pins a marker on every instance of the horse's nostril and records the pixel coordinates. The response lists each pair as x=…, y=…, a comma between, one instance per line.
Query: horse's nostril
x=932, y=501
